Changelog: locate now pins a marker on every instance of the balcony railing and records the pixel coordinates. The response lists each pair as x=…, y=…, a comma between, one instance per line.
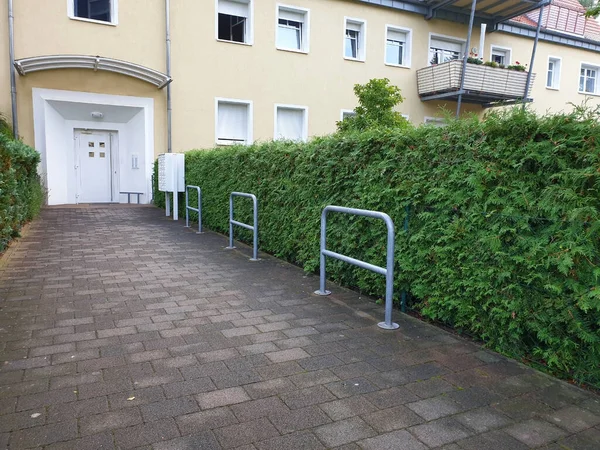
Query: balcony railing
x=483, y=84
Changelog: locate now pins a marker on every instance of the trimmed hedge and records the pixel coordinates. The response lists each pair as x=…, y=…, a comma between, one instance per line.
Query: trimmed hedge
x=504, y=230
x=21, y=194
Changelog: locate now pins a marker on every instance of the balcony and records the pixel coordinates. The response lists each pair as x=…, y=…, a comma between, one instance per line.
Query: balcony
x=484, y=85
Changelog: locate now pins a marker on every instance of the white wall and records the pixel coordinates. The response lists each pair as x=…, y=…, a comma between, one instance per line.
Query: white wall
x=57, y=158
x=133, y=142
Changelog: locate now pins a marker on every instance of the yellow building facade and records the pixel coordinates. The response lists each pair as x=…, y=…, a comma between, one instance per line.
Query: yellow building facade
x=242, y=71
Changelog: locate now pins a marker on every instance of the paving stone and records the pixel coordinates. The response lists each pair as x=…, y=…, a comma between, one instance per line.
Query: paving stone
x=348, y=407
x=258, y=348
x=483, y=419
x=245, y=433
x=434, y=408
x=102, y=441
x=268, y=388
x=109, y=421
x=205, y=420
x=396, y=440
x=204, y=441
x=573, y=419
x=535, y=433
x=44, y=435
x=222, y=397
x=80, y=408
x=430, y=388
x=392, y=419
x=439, y=432
x=295, y=441
x=40, y=400
x=388, y=398
x=280, y=370
x=188, y=387
x=496, y=440
x=147, y=433
x=586, y=440
x=287, y=355
x=256, y=409
x=306, y=397
x=344, y=432
x=523, y=408
x=16, y=421
x=287, y=421
x=348, y=388
x=168, y=408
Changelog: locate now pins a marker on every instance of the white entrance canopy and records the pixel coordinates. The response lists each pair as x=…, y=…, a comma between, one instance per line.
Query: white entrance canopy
x=95, y=63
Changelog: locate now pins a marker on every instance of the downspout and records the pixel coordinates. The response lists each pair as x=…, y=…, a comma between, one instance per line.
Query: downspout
x=13, y=81
x=168, y=39
x=535, y=44
x=482, y=41
x=464, y=65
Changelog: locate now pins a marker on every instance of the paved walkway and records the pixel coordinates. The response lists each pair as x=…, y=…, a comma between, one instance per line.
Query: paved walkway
x=122, y=329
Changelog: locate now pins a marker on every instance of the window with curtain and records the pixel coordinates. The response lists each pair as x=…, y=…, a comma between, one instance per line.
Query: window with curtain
x=396, y=47
x=588, y=79
x=291, y=29
x=232, y=122
x=354, y=40
x=93, y=9
x=290, y=123
x=500, y=56
x=233, y=23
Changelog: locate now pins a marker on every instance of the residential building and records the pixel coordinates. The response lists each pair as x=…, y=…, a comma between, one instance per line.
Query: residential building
x=94, y=93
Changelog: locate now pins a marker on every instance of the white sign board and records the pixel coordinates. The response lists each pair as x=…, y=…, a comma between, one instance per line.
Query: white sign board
x=171, y=172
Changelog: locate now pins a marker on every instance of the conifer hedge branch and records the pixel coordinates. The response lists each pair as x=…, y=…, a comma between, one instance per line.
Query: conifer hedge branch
x=504, y=230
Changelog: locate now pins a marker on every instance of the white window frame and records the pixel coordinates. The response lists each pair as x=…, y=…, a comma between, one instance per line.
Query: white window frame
x=596, y=67
x=304, y=110
x=305, y=36
x=435, y=121
x=361, y=51
x=407, y=54
x=250, y=25
x=114, y=14
x=506, y=50
x=444, y=37
x=250, y=125
x=555, y=73
x=346, y=111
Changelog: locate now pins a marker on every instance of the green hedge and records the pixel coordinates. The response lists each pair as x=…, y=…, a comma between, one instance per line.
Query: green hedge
x=21, y=194
x=503, y=239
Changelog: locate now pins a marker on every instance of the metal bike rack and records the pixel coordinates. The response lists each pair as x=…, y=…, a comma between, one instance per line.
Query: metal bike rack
x=188, y=208
x=388, y=271
x=254, y=228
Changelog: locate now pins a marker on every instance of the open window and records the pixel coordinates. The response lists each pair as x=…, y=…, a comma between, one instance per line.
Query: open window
x=292, y=28
x=233, y=122
x=501, y=55
x=234, y=21
x=443, y=49
x=355, y=35
x=553, y=75
x=94, y=10
x=291, y=122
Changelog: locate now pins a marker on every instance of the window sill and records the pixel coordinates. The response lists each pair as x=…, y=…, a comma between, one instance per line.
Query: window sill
x=588, y=93
x=550, y=88
x=98, y=22
x=247, y=44
x=292, y=50
x=399, y=66
x=230, y=143
x=354, y=59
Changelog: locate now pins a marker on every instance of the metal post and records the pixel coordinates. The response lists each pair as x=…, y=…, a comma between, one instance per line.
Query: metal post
x=188, y=207
x=13, y=81
x=231, y=222
x=533, y=52
x=322, y=290
x=253, y=228
x=168, y=57
x=175, y=205
x=468, y=49
x=187, y=211
x=255, y=240
x=167, y=204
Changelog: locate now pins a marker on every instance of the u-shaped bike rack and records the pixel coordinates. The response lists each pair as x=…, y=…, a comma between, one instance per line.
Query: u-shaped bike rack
x=188, y=208
x=254, y=228
x=388, y=271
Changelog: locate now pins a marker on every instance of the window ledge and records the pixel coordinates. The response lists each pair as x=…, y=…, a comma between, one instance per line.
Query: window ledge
x=98, y=22
x=550, y=88
x=589, y=93
x=230, y=143
x=400, y=66
x=292, y=50
x=247, y=44
x=354, y=59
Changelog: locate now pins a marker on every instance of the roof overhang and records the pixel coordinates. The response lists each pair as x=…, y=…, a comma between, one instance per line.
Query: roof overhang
x=95, y=63
x=491, y=12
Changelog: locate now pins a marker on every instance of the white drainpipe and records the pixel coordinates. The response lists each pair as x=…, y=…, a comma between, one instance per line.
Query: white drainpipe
x=13, y=82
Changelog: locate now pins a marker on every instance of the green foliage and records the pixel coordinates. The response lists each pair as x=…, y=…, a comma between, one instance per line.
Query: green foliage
x=504, y=229
x=491, y=64
x=21, y=194
x=376, y=102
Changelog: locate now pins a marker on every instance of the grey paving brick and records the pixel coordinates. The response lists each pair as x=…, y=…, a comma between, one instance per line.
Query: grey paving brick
x=188, y=387
x=41, y=400
x=76, y=409
x=222, y=397
x=396, y=440
x=287, y=421
x=256, y=409
x=52, y=349
x=103, y=388
x=279, y=370
x=268, y=388
x=205, y=420
x=348, y=407
x=168, y=408
x=348, y=388
x=314, y=378
x=434, y=408
x=253, y=349
x=98, y=423
x=102, y=441
x=246, y=433
x=204, y=441
x=535, y=433
x=306, y=397
x=496, y=440
x=344, y=432
x=388, y=398
x=440, y=432
x=573, y=419
x=483, y=419
x=21, y=420
x=44, y=435
x=292, y=354
x=321, y=362
x=147, y=433
x=392, y=419
x=302, y=440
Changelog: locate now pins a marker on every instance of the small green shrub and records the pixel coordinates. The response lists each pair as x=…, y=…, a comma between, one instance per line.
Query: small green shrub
x=21, y=194
x=504, y=222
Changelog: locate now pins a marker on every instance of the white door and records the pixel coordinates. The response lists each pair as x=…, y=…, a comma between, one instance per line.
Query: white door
x=94, y=166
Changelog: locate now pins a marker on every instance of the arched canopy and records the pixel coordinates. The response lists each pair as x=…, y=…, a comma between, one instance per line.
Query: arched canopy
x=95, y=63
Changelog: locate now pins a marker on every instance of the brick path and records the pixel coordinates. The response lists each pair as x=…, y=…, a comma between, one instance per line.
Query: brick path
x=121, y=329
